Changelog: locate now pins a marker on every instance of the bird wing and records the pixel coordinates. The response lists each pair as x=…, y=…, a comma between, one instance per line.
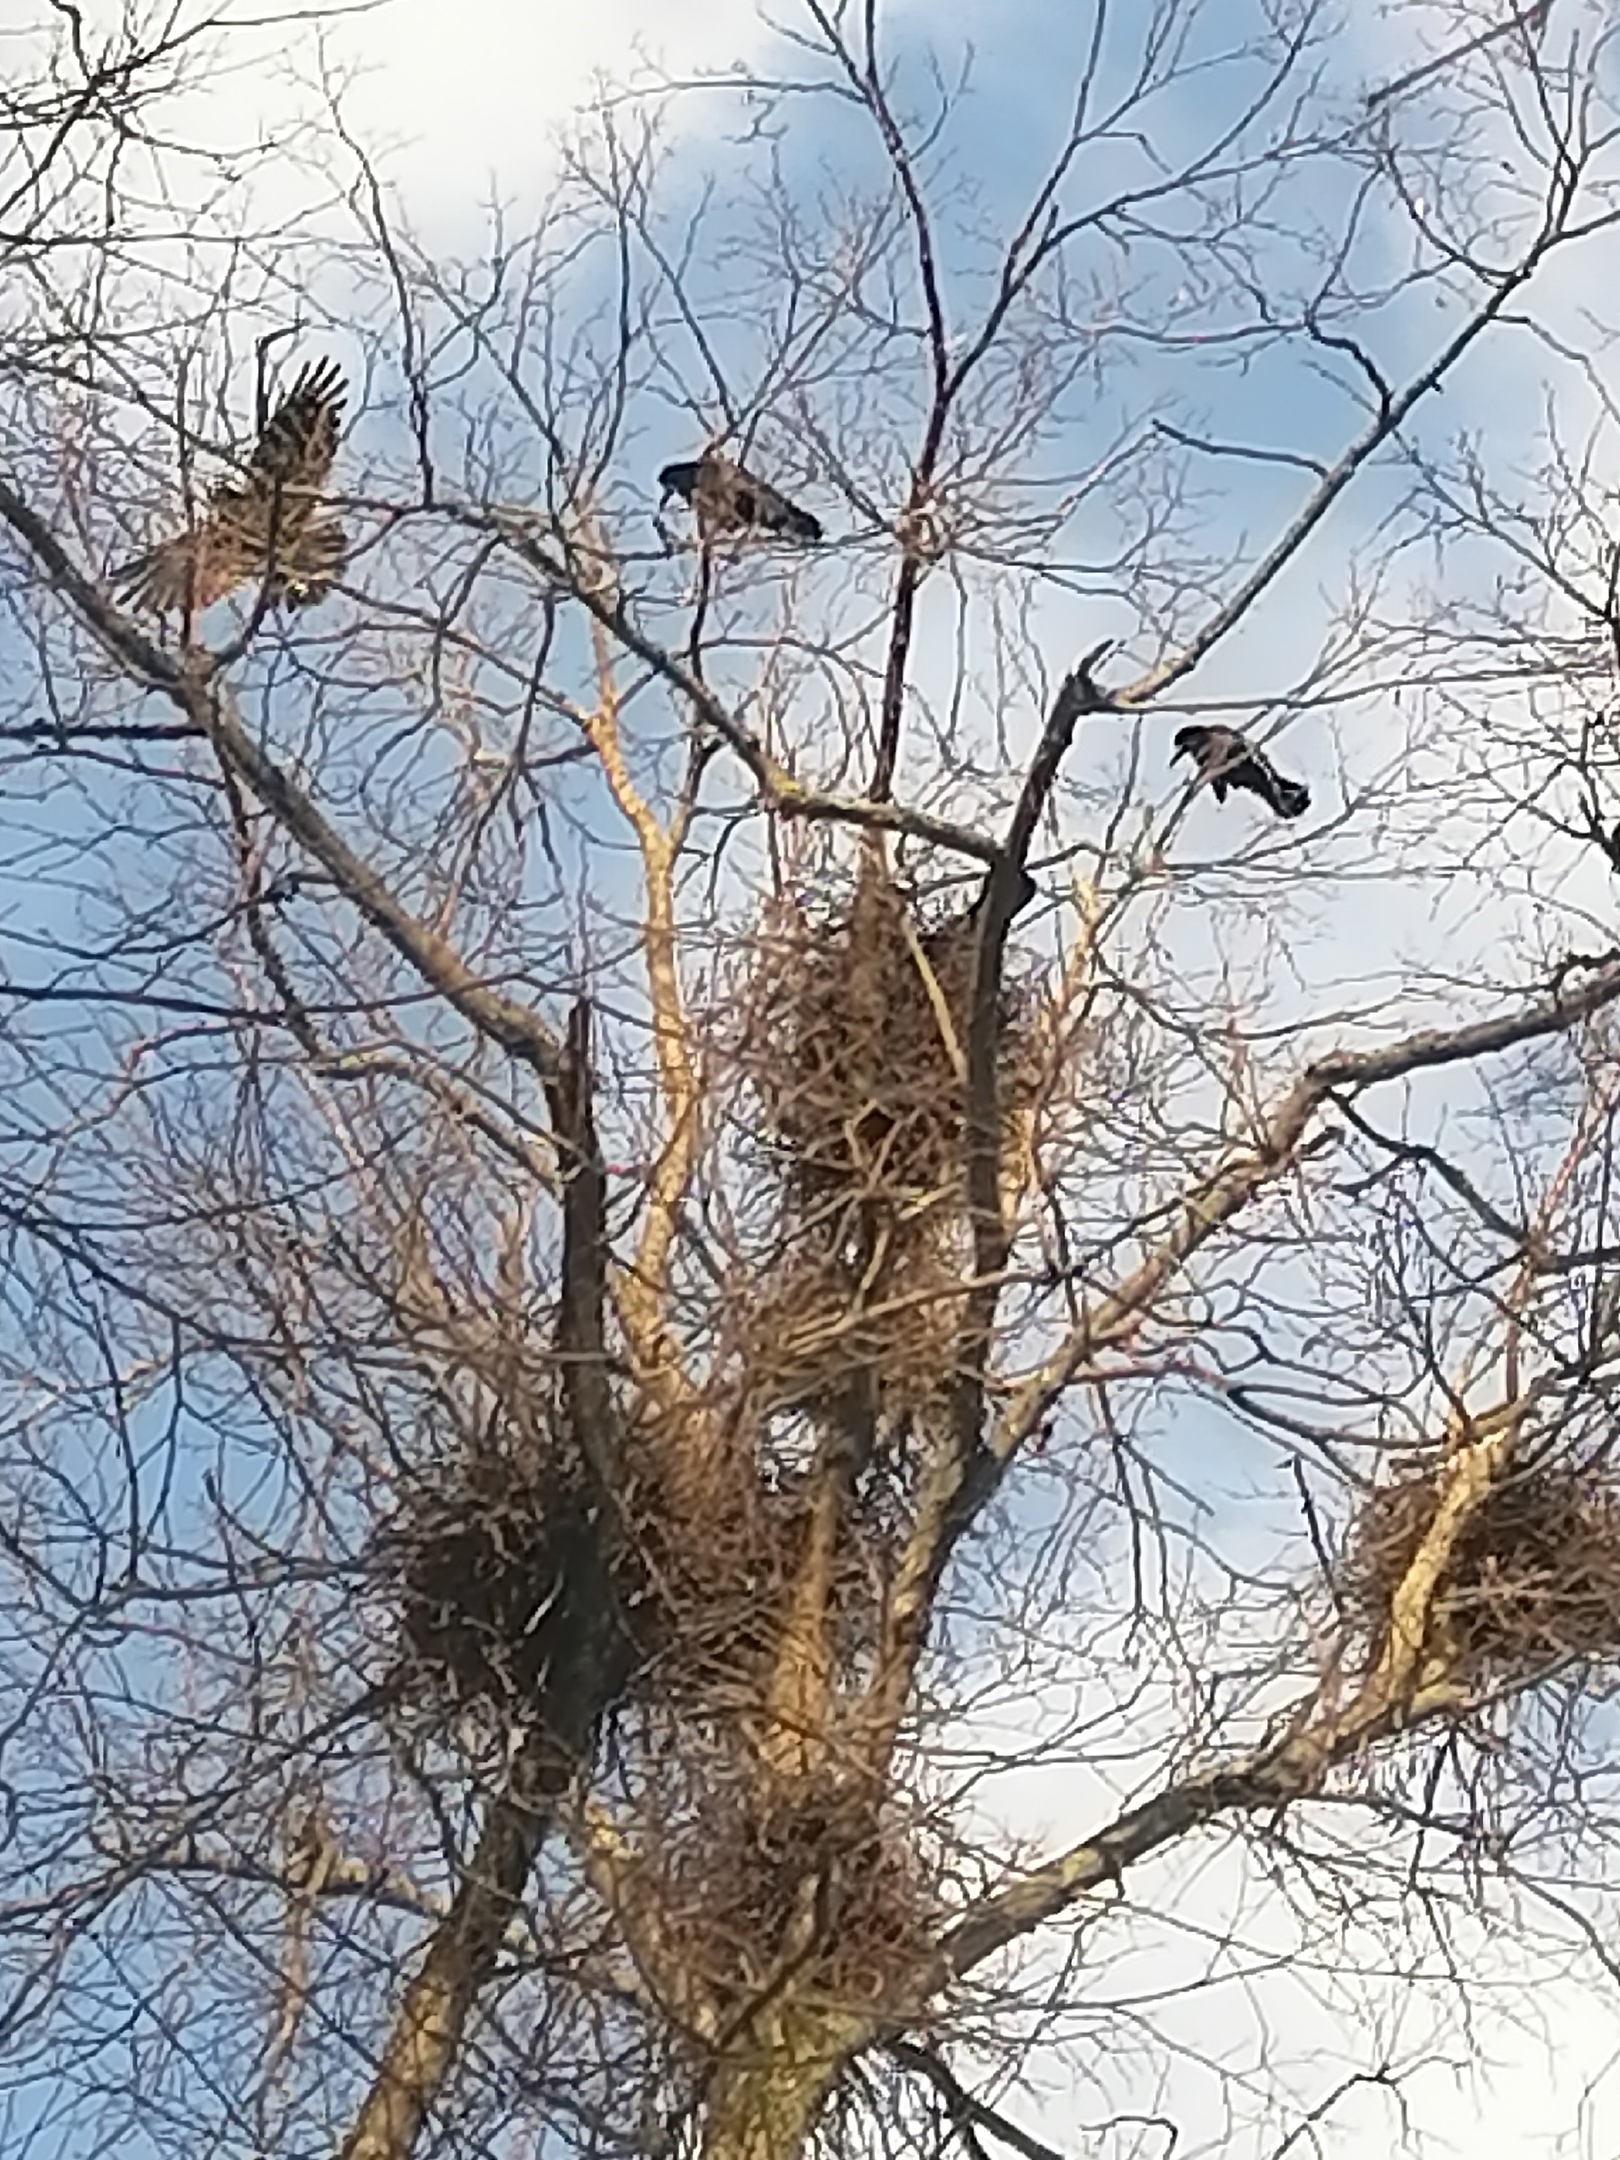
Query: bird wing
x=193, y=569
x=298, y=442
x=1256, y=772
x=1251, y=773
x=1229, y=760
x=1215, y=751
x=679, y=479
x=729, y=498
x=773, y=510
x=292, y=462
x=306, y=573
x=713, y=495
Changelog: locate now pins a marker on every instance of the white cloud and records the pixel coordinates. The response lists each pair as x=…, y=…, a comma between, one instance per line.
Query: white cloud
x=477, y=90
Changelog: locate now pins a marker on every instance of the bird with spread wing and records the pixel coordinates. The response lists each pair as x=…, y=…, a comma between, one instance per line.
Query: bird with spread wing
x=272, y=527
x=726, y=498
x=1227, y=759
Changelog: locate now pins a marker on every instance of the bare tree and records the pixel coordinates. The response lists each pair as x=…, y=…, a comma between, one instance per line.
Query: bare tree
x=686, y=1249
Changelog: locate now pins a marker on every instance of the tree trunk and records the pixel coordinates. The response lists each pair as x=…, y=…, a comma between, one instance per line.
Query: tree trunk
x=773, y=2080
x=427, y=2034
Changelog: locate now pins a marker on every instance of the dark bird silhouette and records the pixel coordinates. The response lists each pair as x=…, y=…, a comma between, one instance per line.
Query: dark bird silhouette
x=726, y=498
x=271, y=527
x=1227, y=759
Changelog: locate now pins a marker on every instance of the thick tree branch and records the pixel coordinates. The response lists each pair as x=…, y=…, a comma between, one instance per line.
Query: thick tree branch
x=581, y=1313
x=430, y=2024
x=634, y=1895
x=1399, y=1690
x=1404, y=1683
x=642, y=1287
x=592, y=1658
x=963, y=1476
x=1213, y=1202
x=951, y=1488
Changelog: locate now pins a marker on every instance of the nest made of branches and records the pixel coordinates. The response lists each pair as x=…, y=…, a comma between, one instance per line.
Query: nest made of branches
x=818, y=1334
x=813, y=1875
x=487, y=1559
x=499, y=1564
x=720, y=1556
x=854, y=1037
x=1533, y=1581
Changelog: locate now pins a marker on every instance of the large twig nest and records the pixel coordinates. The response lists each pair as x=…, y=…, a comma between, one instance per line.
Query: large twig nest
x=1533, y=1582
x=488, y=1557
x=499, y=1561
x=812, y=1880
x=854, y=1039
x=720, y=1561
x=718, y=1556
x=820, y=1334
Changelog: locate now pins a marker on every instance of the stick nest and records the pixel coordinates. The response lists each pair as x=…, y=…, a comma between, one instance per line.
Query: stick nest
x=486, y=1559
x=1533, y=1582
x=855, y=1033
x=820, y=1335
x=722, y=1554
x=811, y=1881
x=853, y=1037
x=498, y=1560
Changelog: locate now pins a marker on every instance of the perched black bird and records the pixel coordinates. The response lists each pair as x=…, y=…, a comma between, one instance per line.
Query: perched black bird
x=725, y=498
x=1227, y=759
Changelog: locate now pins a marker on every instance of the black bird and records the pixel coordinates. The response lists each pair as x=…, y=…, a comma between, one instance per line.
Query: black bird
x=1227, y=759
x=725, y=498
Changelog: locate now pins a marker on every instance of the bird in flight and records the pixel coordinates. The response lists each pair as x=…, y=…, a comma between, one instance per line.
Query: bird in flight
x=1227, y=759
x=271, y=527
x=725, y=498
